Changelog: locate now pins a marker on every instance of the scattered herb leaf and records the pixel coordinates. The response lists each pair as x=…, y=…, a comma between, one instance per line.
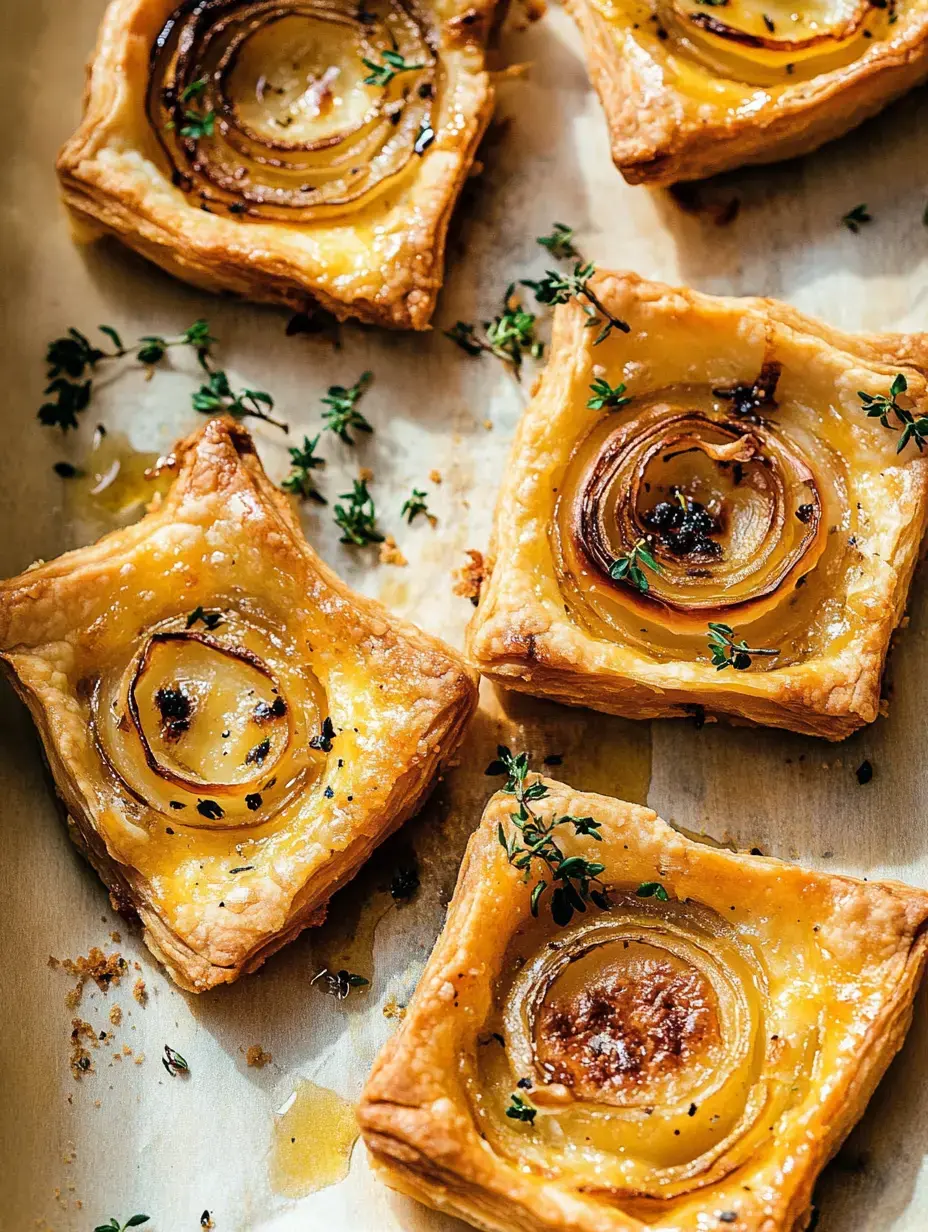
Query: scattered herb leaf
x=628, y=568
x=854, y=219
x=212, y=620
x=173, y=1062
x=606, y=397
x=879, y=406
x=520, y=1110
x=303, y=461
x=392, y=64
x=560, y=242
x=415, y=505
x=653, y=889
x=726, y=652
x=343, y=413
x=557, y=288
x=338, y=983
x=357, y=519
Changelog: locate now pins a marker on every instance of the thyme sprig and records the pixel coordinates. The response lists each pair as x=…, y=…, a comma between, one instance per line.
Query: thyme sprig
x=342, y=416
x=607, y=397
x=560, y=242
x=72, y=360
x=510, y=336
x=881, y=406
x=392, y=64
x=357, y=519
x=338, y=984
x=415, y=505
x=557, y=288
x=134, y=1221
x=726, y=652
x=300, y=480
x=217, y=397
x=520, y=1109
x=575, y=880
x=628, y=568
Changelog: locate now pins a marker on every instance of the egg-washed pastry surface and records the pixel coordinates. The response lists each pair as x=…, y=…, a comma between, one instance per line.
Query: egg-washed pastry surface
x=694, y=87
x=729, y=532
x=292, y=151
x=232, y=731
x=683, y=1048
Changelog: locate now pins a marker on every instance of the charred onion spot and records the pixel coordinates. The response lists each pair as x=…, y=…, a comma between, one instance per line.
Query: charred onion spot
x=257, y=755
x=749, y=400
x=175, y=708
x=262, y=110
x=263, y=713
x=627, y=1028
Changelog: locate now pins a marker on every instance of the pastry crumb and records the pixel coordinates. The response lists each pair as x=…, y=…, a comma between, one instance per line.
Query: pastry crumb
x=470, y=577
x=257, y=1058
x=392, y=1010
x=80, y=1061
x=435, y=476
x=139, y=991
x=390, y=553
x=116, y=1015
x=103, y=969
x=488, y=424
x=365, y=474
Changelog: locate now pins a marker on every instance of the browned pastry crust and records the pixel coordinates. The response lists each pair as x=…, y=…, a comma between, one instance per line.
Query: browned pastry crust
x=821, y=944
x=382, y=264
x=525, y=636
x=225, y=539
x=670, y=120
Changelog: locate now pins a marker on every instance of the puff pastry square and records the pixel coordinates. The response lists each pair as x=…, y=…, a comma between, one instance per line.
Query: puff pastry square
x=687, y=1058
x=232, y=731
x=741, y=460
x=303, y=153
x=694, y=87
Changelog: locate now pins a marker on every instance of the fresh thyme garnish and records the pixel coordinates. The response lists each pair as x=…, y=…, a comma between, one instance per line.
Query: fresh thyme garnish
x=510, y=336
x=653, y=889
x=218, y=397
x=414, y=505
x=575, y=875
x=520, y=1110
x=628, y=568
x=72, y=358
x=560, y=243
x=194, y=89
x=198, y=124
x=557, y=288
x=173, y=1062
x=134, y=1221
x=303, y=462
x=212, y=620
x=879, y=406
x=606, y=397
x=343, y=412
x=726, y=652
x=357, y=519
x=854, y=219
x=383, y=74
x=338, y=983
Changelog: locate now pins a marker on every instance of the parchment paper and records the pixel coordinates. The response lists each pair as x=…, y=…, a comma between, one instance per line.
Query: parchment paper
x=130, y=1138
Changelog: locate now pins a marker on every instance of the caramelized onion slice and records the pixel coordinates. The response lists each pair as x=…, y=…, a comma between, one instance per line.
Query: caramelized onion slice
x=753, y=512
x=263, y=110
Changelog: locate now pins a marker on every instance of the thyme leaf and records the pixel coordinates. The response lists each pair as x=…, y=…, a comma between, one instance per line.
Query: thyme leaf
x=303, y=461
x=414, y=505
x=338, y=984
x=881, y=406
x=520, y=1109
x=392, y=64
x=560, y=242
x=653, y=889
x=357, y=520
x=342, y=414
x=628, y=568
x=606, y=397
x=856, y=218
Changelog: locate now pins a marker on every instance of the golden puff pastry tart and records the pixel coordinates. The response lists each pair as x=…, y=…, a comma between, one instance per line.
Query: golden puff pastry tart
x=232, y=731
x=694, y=87
x=680, y=1041
x=294, y=151
x=707, y=514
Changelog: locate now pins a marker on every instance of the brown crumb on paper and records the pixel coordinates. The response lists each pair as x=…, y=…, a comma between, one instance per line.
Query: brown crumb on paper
x=470, y=577
x=365, y=474
x=139, y=991
x=488, y=424
x=80, y=1061
x=103, y=969
x=435, y=476
x=257, y=1058
x=392, y=1010
x=116, y=1015
x=390, y=553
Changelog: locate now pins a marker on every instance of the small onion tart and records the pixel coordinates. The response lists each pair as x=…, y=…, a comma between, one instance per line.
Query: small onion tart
x=687, y=1053
x=230, y=728
x=694, y=87
x=302, y=152
x=738, y=483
